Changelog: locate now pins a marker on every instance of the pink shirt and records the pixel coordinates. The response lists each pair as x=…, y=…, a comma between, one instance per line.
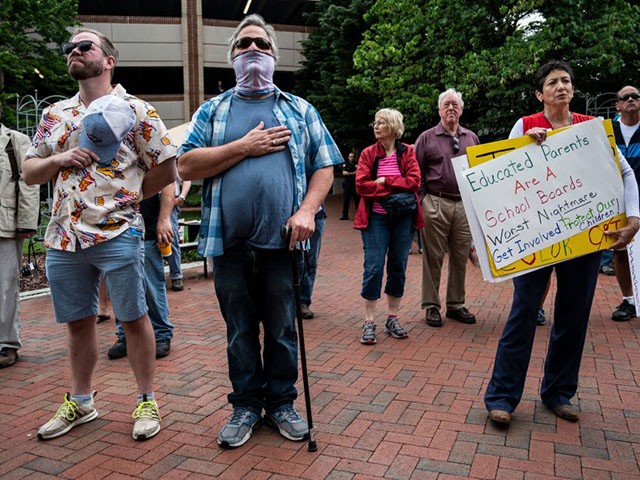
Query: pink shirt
x=387, y=167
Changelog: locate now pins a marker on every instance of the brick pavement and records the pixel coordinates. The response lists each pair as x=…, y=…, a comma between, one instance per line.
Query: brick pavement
x=408, y=409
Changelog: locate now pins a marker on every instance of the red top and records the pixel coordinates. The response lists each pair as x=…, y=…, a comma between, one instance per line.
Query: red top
x=369, y=190
x=539, y=120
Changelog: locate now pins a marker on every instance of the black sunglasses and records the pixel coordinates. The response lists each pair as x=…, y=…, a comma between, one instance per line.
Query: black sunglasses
x=245, y=42
x=83, y=46
x=455, y=143
x=627, y=96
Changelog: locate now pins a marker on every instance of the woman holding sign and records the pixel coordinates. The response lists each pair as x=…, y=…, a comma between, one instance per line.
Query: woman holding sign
x=576, y=280
x=387, y=179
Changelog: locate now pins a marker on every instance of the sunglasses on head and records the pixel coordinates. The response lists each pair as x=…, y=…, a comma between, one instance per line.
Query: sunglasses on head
x=627, y=96
x=455, y=143
x=245, y=42
x=83, y=46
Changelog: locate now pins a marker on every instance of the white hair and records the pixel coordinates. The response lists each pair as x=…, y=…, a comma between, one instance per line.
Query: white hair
x=450, y=91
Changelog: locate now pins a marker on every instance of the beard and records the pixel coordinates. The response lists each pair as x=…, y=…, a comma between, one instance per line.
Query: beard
x=86, y=70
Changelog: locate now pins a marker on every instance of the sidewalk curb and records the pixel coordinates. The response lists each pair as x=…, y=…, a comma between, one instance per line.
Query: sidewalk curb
x=47, y=291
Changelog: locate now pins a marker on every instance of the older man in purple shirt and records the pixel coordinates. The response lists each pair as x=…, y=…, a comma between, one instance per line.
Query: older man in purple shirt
x=445, y=222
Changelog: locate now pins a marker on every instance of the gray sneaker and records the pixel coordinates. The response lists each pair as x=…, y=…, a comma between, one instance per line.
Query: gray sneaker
x=70, y=414
x=239, y=427
x=288, y=422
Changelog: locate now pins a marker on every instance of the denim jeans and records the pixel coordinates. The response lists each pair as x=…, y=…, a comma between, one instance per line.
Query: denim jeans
x=310, y=266
x=607, y=258
x=74, y=278
x=390, y=237
x=576, y=280
x=155, y=291
x=175, y=268
x=256, y=285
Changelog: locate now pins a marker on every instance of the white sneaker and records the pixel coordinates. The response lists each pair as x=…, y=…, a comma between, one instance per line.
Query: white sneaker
x=147, y=418
x=70, y=414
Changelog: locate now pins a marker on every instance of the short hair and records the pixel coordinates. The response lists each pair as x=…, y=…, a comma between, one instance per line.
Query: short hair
x=394, y=119
x=107, y=46
x=258, y=21
x=544, y=71
x=626, y=86
x=446, y=93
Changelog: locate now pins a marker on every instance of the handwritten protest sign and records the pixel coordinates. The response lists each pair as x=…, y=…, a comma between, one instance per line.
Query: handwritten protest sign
x=535, y=205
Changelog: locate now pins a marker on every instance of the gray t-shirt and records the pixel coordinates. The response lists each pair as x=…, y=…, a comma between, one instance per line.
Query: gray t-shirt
x=257, y=193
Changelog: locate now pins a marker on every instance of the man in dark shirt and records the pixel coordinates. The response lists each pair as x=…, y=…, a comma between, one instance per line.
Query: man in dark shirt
x=445, y=223
x=156, y=211
x=349, y=185
x=627, y=134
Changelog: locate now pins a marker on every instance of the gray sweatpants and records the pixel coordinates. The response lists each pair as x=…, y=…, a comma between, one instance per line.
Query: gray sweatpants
x=10, y=259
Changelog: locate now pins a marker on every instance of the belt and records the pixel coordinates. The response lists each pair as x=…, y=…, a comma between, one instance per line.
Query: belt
x=449, y=196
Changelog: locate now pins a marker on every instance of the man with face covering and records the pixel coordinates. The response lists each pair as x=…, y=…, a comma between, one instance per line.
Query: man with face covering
x=267, y=160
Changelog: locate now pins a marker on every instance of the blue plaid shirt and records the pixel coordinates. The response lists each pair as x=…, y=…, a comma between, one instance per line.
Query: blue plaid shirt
x=311, y=146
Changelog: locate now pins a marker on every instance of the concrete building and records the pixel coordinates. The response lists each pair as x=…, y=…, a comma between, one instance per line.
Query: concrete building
x=173, y=52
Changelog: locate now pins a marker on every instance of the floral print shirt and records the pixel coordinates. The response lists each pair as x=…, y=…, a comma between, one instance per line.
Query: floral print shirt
x=95, y=204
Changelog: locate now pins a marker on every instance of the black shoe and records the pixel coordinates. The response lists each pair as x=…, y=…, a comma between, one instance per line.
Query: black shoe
x=432, y=317
x=176, y=285
x=462, y=315
x=162, y=347
x=624, y=312
x=306, y=313
x=541, y=320
x=8, y=356
x=344, y=218
x=118, y=349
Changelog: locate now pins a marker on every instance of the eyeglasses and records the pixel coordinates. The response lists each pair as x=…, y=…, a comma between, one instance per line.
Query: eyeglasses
x=455, y=143
x=83, y=46
x=245, y=42
x=627, y=96
x=378, y=123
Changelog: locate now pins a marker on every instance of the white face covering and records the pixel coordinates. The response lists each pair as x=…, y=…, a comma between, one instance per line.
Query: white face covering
x=254, y=72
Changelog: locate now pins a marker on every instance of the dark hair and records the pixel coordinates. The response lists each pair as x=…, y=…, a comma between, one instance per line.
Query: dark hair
x=542, y=73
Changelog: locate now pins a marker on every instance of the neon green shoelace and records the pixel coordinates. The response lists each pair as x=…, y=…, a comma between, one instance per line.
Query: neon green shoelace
x=148, y=409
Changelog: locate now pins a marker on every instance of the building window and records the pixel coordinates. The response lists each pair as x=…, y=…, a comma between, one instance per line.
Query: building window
x=283, y=12
x=131, y=8
x=150, y=80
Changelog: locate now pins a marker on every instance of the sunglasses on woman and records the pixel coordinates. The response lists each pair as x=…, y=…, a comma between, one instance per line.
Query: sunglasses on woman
x=245, y=42
x=83, y=46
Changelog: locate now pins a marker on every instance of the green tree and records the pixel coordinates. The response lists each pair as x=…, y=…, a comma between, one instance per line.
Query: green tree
x=489, y=50
x=600, y=39
x=30, y=34
x=328, y=64
x=481, y=48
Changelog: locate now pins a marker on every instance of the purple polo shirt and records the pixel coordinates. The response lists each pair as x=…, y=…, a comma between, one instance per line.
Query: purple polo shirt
x=434, y=151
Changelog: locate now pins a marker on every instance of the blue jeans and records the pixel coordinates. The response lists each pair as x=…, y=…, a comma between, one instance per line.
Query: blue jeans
x=390, y=237
x=310, y=266
x=607, y=258
x=175, y=268
x=576, y=281
x=256, y=285
x=155, y=293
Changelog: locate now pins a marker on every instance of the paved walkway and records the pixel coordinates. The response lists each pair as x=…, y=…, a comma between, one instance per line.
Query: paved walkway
x=402, y=409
